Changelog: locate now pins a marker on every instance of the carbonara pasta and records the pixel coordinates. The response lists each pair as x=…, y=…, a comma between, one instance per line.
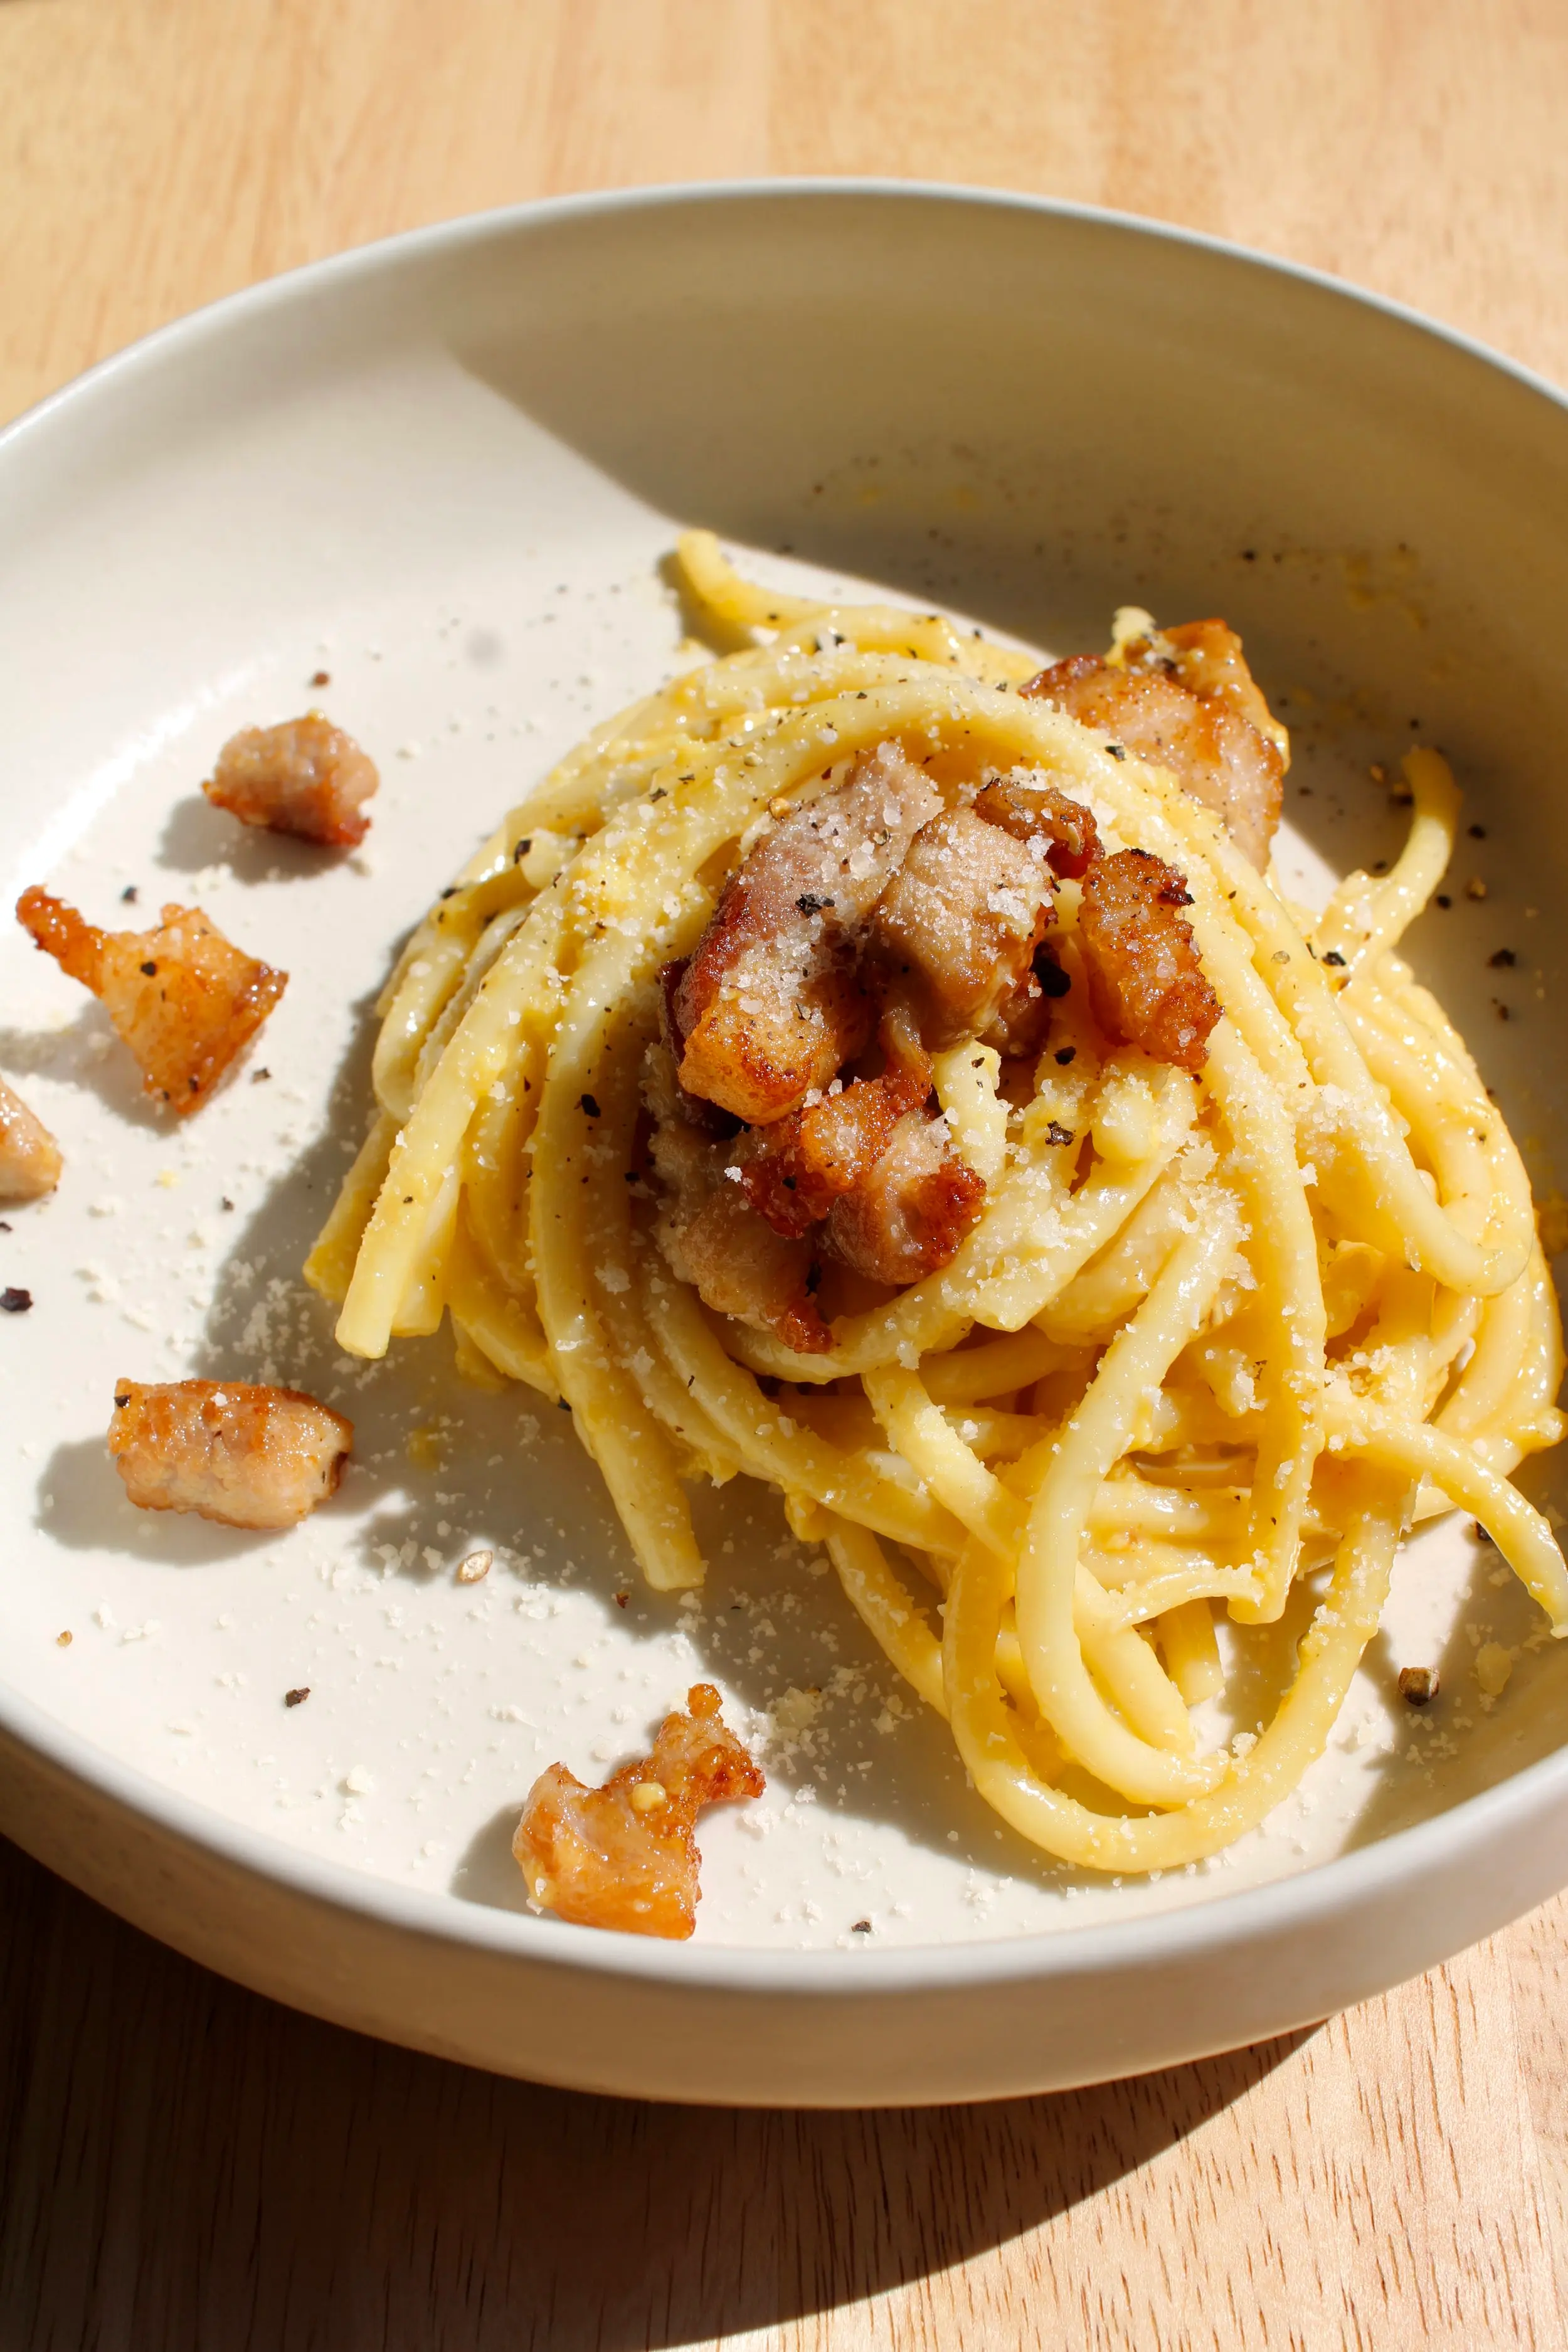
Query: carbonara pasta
x=1099, y=1255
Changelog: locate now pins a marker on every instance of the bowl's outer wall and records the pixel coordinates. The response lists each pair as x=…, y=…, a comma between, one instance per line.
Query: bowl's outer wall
x=1003, y=2021
x=1053, y=413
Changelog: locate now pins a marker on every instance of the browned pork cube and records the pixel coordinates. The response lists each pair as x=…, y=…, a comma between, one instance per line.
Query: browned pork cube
x=769, y=1005
x=1145, y=982
x=961, y=920
x=624, y=1855
x=1194, y=710
x=305, y=777
x=248, y=1457
x=183, y=998
x=30, y=1160
x=907, y=1216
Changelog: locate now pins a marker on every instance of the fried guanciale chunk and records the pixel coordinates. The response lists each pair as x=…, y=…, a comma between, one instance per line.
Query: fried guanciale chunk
x=1031, y=808
x=908, y=1214
x=30, y=1160
x=1145, y=982
x=305, y=777
x=1211, y=663
x=771, y=1004
x=229, y=1450
x=713, y=1238
x=961, y=920
x=793, y=1172
x=625, y=1855
x=1184, y=700
x=182, y=997
x=925, y=910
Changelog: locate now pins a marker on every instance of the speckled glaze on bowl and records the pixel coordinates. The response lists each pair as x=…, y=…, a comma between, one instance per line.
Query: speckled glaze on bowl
x=444, y=471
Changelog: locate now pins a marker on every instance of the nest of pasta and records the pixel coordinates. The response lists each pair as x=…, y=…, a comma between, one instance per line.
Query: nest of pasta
x=1138, y=1262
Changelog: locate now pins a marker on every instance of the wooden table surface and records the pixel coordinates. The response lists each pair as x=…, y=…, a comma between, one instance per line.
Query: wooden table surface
x=183, y=2164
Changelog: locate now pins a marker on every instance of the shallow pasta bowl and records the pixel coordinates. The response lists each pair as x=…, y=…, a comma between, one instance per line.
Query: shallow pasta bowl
x=432, y=486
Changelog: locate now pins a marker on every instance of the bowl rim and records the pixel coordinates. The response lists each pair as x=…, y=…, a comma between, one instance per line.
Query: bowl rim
x=1191, y=1932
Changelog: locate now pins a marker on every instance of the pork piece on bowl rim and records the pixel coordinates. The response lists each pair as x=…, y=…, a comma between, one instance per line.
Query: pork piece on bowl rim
x=625, y=1855
x=244, y=1453
x=183, y=998
x=304, y=777
x=30, y=1160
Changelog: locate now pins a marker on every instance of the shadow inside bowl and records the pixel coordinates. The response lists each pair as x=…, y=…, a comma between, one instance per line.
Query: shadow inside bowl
x=197, y=835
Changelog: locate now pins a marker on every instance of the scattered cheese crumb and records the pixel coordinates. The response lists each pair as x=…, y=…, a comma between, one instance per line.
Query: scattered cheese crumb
x=1493, y=1667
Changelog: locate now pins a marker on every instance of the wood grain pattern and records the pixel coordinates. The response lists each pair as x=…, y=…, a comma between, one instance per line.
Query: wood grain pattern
x=182, y=2164
x=156, y=153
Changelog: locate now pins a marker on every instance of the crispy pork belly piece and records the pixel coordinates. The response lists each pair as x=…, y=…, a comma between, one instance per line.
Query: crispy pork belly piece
x=30, y=1160
x=907, y=1216
x=713, y=1238
x=304, y=777
x=770, y=1004
x=1214, y=752
x=695, y=1109
x=793, y=1172
x=1145, y=982
x=182, y=997
x=1210, y=664
x=961, y=920
x=625, y=1855
x=229, y=1450
x=1030, y=808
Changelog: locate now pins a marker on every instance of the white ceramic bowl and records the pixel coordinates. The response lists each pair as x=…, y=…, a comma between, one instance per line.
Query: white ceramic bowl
x=444, y=470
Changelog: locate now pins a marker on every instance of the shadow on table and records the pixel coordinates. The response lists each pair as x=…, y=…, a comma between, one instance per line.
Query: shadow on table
x=185, y=2165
